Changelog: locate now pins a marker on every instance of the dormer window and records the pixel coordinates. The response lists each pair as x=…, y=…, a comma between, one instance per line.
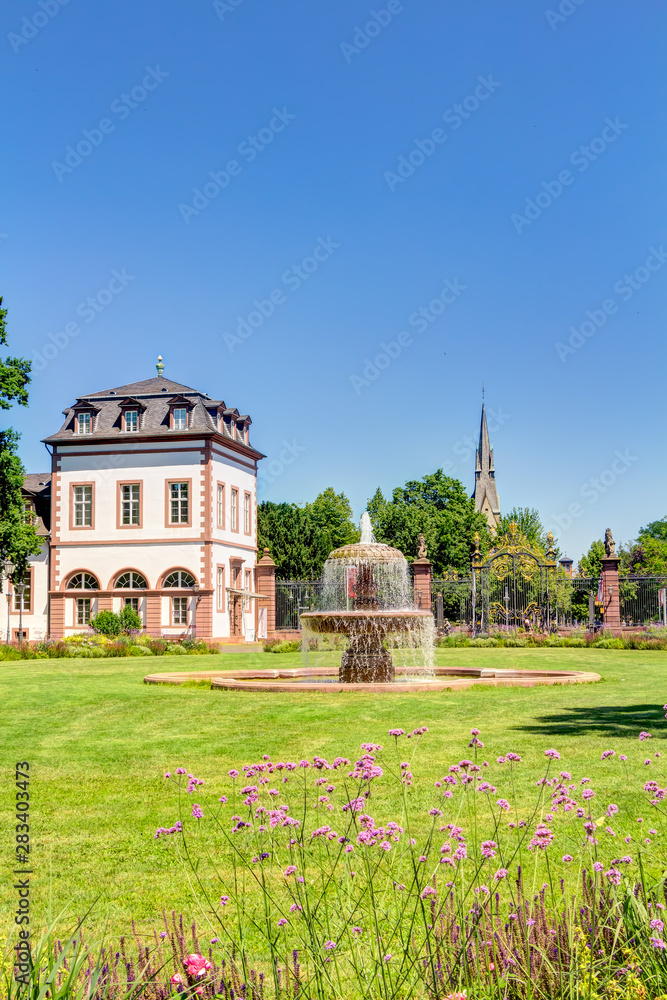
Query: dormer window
x=131, y=421
x=227, y=426
x=179, y=418
x=84, y=423
x=241, y=432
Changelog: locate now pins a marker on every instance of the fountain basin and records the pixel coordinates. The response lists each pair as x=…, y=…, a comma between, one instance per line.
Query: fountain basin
x=366, y=660
x=324, y=680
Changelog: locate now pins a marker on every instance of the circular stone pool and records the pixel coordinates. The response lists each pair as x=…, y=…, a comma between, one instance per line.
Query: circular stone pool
x=325, y=679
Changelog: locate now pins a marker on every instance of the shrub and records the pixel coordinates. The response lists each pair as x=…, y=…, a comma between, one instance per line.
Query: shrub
x=490, y=641
x=135, y=650
x=157, y=646
x=89, y=652
x=616, y=643
x=174, y=649
x=288, y=646
x=130, y=620
x=107, y=623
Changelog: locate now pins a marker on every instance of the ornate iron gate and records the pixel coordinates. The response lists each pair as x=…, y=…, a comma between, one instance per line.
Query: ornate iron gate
x=293, y=597
x=516, y=587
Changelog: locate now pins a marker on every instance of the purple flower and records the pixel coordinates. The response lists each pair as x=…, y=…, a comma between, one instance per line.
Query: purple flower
x=607, y=753
x=598, y=866
x=501, y=874
x=645, y=736
x=428, y=891
x=224, y=900
x=197, y=812
x=612, y=809
x=387, y=958
x=329, y=945
x=356, y=930
x=614, y=876
x=551, y=754
x=567, y=857
x=503, y=804
x=657, y=925
x=658, y=943
x=282, y=922
x=397, y=732
x=588, y=793
x=233, y=773
x=622, y=757
x=295, y=907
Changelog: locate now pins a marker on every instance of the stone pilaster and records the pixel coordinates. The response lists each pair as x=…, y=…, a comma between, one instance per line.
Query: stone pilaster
x=421, y=569
x=611, y=593
x=265, y=575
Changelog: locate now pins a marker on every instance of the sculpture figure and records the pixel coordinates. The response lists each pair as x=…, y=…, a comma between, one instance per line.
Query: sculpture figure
x=609, y=543
x=421, y=546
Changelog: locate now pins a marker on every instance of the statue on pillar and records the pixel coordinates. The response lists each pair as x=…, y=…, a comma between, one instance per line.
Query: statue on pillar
x=421, y=546
x=609, y=543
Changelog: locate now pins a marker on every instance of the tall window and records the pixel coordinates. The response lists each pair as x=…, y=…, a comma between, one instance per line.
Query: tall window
x=28, y=512
x=83, y=611
x=246, y=513
x=130, y=503
x=221, y=506
x=220, y=588
x=179, y=503
x=131, y=421
x=84, y=423
x=27, y=594
x=246, y=587
x=179, y=610
x=131, y=602
x=179, y=418
x=235, y=510
x=82, y=498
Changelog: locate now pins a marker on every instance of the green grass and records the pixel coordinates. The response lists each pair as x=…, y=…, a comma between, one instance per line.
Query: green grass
x=98, y=741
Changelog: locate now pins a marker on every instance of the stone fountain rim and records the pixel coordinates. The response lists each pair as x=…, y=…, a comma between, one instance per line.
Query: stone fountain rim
x=368, y=552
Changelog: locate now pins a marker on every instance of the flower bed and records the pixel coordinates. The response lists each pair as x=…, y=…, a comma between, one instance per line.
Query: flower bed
x=91, y=646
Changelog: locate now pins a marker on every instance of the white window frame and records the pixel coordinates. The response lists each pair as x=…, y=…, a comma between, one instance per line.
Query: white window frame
x=131, y=416
x=181, y=498
x=179, y=610
x=220, y=588
x=179, y=416
x=130, y=505
x=84, y=423
x=83, y=610
x=82, y=499
x=234, y=518
x=220, y=521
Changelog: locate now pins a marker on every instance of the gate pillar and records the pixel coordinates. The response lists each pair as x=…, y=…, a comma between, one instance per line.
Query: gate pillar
x=265, y=575
x=421, y=569
x=611, y=592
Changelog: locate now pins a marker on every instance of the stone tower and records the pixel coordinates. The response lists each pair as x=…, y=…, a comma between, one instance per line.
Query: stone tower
x=485, y=494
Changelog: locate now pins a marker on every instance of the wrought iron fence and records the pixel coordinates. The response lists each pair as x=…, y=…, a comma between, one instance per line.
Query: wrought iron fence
x=451, y=599
x=292, y=598
x=575, y=597
x=640, y=601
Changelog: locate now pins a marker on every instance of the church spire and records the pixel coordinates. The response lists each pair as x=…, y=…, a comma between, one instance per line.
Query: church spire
x=485, y=494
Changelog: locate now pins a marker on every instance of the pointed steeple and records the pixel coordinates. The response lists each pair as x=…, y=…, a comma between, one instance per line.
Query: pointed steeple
x=485, y=494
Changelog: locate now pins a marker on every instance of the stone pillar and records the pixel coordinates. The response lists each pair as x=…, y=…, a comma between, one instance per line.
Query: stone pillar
x=154, y=614
x=265, y=575
x=204, y=616
x=421, y=569
x=104, y=602
x=611, y=593
x=57, y=615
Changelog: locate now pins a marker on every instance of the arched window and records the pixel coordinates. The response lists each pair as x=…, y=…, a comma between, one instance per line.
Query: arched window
x=179, y=578
x=83, y=581
x=131, y=581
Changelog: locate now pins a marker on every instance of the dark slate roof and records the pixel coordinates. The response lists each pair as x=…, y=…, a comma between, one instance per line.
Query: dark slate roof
x=155, y=395
x=149, y=385
x=37, y=482
x=566, y=559
x=37, y=487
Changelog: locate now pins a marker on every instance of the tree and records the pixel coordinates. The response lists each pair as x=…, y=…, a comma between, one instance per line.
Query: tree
x=331, y=514
x=18, y=538
x=591, y=563
x=437, y=507
x=529, y=523
x=647, y=556
x=301, y=538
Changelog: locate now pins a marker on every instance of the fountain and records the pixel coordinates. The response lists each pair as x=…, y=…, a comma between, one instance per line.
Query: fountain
x=368, y=597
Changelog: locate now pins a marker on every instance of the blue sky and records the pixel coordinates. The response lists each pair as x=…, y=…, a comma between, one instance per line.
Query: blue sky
x=346, y=165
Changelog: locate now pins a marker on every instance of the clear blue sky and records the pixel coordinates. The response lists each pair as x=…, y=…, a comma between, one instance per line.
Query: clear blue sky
x=181, y=89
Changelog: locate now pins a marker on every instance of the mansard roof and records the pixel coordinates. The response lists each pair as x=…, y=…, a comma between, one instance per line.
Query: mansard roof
x=155, y=397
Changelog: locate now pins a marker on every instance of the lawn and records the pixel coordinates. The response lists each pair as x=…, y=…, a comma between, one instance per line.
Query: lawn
x=99, y=740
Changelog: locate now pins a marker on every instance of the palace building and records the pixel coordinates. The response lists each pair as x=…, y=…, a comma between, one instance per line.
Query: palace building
x=151, y=501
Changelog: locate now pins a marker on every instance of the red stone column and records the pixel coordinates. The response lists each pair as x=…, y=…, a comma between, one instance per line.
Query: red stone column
x=204, y=616
x=265, y=575
x=154, y=614
x=421, y=569
x=57, y=615
x=104, y=602
x=611, y=594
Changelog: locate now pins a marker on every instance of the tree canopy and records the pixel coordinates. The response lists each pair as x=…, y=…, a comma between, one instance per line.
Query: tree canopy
x=529, y=523
x=647, y=555
x=18, y=538
x=591, y=563
x=438, y=507
x=300, y=538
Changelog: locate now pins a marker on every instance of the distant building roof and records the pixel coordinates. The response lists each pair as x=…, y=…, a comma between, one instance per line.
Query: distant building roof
x=565, y=559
